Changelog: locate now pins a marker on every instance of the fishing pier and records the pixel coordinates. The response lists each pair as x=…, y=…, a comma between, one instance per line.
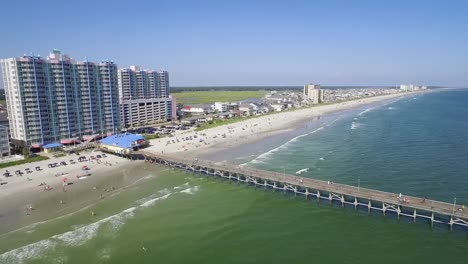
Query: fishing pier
x=435, y=212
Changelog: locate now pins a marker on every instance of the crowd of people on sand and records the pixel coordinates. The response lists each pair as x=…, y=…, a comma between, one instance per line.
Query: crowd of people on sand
x=229, y=134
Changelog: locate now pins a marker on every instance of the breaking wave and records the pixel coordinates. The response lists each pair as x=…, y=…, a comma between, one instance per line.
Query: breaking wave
x=80, y=234
x=285, y=145
x=302, y=170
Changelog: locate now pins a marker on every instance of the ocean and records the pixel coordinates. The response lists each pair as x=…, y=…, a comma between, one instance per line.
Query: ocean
x=416, y=146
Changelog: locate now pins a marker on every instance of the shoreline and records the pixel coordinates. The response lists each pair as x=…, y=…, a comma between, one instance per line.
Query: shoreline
x=25, y=191
x=216, y=140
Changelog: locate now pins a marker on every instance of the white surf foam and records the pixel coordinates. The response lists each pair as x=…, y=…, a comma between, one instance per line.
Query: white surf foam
x=153, y=201
x=355, y=125
x=302, y=170
x=190, y=190
x=78, y=236
x=285, y=145
x=366, y=111
x=83, y=234
x=181, y=186
x=105, y=253
x=147, y=177
x=28, y=252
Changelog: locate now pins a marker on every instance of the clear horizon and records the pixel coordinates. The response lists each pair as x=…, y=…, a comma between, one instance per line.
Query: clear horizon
x=265, y=43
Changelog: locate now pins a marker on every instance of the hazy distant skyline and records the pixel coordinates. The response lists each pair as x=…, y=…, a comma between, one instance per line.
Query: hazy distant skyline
x=261, y=43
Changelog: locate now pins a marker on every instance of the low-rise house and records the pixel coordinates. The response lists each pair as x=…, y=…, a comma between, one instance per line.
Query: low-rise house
x=190, y=121
x=231, y=107
x=220, y=107
x=246, y=108
x=225, y=107
x=277, y=107
x=197, y=109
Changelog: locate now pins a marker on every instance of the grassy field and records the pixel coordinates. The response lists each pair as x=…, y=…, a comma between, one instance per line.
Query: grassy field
x=207, y=97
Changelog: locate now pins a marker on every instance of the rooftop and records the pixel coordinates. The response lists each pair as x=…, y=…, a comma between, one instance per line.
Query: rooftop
x=125, y=140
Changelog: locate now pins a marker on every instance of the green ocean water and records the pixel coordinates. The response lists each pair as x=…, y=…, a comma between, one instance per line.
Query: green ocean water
x=415, y=146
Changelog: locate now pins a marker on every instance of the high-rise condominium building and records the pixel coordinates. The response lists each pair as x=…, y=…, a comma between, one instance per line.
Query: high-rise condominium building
x=313, y=93
x=57, y=98
x=144, y=97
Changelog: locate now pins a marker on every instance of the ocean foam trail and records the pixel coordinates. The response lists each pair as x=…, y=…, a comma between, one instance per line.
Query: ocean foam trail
x=181, y=186
x=153, y=201
x=31, y=251
x=266, y=154
x=143, y=179
x=302, y=170
x=191, y=190
x=76, y=237
x=367, y=110
x=83, y=234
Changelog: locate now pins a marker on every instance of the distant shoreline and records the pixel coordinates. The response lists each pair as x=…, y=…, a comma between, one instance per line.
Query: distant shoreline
x=223, y=138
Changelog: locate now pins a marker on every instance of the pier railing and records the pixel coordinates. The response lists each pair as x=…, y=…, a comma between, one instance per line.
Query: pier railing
x=408, y=206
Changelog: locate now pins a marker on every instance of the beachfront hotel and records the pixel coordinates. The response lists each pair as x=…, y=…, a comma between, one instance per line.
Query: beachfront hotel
x=313, y=93
x=58, y=99
x=144, y=97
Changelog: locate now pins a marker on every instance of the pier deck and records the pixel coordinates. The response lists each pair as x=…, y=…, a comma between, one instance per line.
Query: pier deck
x=434, y=211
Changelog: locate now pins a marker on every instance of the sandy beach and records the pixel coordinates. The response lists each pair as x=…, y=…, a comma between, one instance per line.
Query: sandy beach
x=196, y=144
x=31, y=190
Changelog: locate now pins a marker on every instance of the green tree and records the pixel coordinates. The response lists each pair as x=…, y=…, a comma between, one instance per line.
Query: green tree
x=26, y=153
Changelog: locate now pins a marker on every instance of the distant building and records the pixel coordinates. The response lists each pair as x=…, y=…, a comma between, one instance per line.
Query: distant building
x=246, y=108
x=411, y=87
x=277, y=107
x=144, y=97
x=197, y=109
x=220, y=107
x=226, y=107
x=313, y=93
x=58, y=98
x=4, y=142
x=232, y=107
x=142, y=112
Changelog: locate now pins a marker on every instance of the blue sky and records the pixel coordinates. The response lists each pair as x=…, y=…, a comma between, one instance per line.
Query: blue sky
x=253, y=42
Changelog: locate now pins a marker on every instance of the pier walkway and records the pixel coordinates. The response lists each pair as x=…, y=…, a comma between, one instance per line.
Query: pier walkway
x=406, y=206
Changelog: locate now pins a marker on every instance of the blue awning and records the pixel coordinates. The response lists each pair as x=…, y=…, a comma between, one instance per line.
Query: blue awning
x=52, y=145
